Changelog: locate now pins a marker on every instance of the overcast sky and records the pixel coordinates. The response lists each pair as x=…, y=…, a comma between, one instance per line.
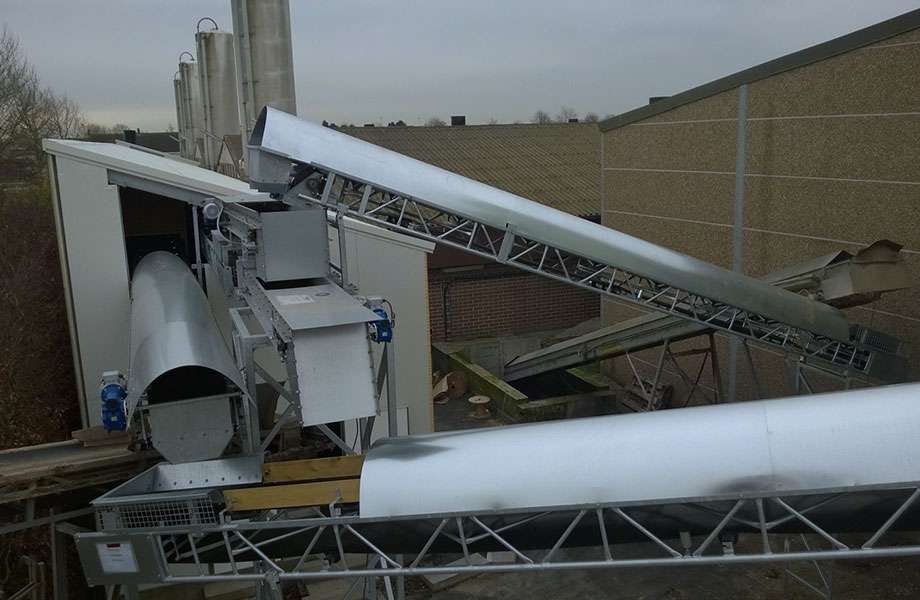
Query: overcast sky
x=362, y=61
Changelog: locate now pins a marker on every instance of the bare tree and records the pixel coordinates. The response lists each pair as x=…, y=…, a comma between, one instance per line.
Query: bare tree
x=541, y=117
x=435, y=122
x=15, y=76
x=591, y=118
x=29, y=112
x=493, y=121
x=95, y=129
x=565, y=113
x=63, y=118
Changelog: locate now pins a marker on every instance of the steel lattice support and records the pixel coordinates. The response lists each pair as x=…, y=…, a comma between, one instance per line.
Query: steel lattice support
x=394, y=211
x=269, y=538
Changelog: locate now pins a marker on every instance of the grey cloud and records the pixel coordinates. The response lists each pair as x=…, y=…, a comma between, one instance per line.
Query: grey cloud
x=364, y=60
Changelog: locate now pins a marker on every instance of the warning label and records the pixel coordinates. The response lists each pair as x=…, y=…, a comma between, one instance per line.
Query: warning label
x=295, y=299
x=117, y=557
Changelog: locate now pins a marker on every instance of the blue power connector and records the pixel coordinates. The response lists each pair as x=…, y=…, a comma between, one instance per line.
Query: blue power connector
x=384, y=327
x=113, y=406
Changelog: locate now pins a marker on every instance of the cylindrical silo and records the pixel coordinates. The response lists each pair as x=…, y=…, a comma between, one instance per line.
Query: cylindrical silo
x=217, y=76
x=180, y=117
x=190, y=93
x=265, y=58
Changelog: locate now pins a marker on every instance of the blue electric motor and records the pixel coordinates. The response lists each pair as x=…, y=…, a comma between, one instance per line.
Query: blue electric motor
x=384, y=327
x=112, y=393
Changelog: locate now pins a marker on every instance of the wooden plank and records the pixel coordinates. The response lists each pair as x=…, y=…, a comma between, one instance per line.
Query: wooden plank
x=98, y=436
x=312, y=469
x=32, y=462
x=291, y=495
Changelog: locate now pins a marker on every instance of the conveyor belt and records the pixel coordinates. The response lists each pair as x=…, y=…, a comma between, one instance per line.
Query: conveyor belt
x=822, y=274
x=401, y=194
x=46, y=469
x=826, y=464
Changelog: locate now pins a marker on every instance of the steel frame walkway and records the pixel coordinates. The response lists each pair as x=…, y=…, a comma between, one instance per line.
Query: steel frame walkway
x=258, y=548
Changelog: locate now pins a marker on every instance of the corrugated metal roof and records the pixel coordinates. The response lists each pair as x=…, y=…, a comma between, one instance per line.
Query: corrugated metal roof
x=556, y=164
x=857, y=39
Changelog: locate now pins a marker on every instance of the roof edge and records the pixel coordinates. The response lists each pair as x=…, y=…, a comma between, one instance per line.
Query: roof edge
x=851, y=41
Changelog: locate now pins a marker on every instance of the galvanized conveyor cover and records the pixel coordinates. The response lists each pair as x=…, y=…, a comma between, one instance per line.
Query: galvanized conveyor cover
x=172, y=326
x=402, y=194
x=822, y=444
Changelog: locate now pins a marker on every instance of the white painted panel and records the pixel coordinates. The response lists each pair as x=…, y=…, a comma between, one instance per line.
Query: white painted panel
x=398, y=271
x=94, y=242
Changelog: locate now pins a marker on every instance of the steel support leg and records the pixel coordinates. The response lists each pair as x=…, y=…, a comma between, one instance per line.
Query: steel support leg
x=58, y=562
x=658, y=368
x=392, y=417
x=753, y=371
x=716, y=371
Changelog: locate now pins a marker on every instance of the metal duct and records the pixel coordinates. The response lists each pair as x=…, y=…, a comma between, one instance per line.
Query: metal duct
x=299, y=141
x=800, y=445
x=177, y=351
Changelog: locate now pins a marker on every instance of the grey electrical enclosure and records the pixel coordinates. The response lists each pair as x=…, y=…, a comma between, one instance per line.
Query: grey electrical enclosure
x=293, y=245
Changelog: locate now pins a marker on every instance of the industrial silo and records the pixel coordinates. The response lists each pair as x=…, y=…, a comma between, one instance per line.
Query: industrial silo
x=217, y=76
x=180, y=117
x=265, y=58
x=190, y=98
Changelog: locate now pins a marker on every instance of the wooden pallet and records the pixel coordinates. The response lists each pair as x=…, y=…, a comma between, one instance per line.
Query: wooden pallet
x=296, y=483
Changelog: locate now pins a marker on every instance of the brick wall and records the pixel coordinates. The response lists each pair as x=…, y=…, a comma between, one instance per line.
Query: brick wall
x=497, y=300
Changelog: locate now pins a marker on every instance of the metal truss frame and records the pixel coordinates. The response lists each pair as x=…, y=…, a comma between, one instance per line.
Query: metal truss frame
x=392, y=210
x=824, y=586
x=709, y=354
x=233, y=542
x=797, y=372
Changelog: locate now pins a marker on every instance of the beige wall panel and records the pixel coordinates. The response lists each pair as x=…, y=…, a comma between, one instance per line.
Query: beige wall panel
x=712, y=243
x=685, y=146
x=880, y=80
x=876, y=148
x=613, y=311
x=723, y=105
x=904, y=302
x=852, y=211
x=696, y=196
